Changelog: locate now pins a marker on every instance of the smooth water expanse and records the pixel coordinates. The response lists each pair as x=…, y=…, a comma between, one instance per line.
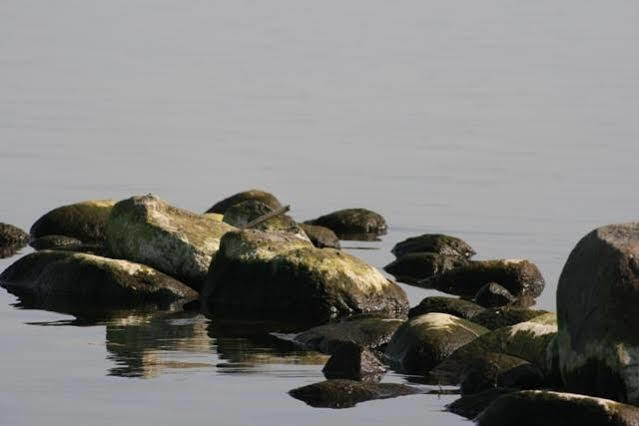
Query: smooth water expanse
x=511, y=125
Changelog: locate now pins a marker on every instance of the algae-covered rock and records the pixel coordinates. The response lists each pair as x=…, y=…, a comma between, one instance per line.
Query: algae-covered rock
x=492, y=370
x=239, y=215
x=536, y=407
x=414, y=267
x=354, y=362
x=520, y=277
x=340, y=393
x=496, y=318
x=321, y=236
x=177, y=242
x=252, y=194
x=90, y=280
x=493, y=295
x=597, y=299
x=371, y=332
x=278, y=276
x=12, y=239
x=447, y=305
x=218, y=217
x=85, y=221
x=425, y=341
x=434, y=243
x=352, y=221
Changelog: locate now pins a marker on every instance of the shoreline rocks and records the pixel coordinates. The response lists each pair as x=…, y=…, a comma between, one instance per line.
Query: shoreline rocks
x=85, y=221
x=12, y=239
x=321, y=236
x=351, y=222
x=252, y=194
x=441, y=244
x=412, y=268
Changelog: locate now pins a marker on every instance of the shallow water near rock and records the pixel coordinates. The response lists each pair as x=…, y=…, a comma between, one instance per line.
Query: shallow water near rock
x=511, y=126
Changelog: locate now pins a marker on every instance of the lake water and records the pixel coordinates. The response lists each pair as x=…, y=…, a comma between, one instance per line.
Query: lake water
x=513, y=126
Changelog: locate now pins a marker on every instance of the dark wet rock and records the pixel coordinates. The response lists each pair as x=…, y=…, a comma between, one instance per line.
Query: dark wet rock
x=277, y=276
x=62, y=242
x=239, y=215
x=447, y=305
x=493, y=295
x=520, y=277
x=471, y=405
x=490, y=369
x=370, y=332
x=252, y=194
x=426, y=340
x=339, y=393
x=354, y=362
x=179, y=243
x=434, y=243
x=534, y=408
x=91, y=280
x=597, y=299
x=525, y=376
x=12, y=239
x=414, y=267
x=85, y=221
x=352, y=221
x=321, y=236
x=496, y=318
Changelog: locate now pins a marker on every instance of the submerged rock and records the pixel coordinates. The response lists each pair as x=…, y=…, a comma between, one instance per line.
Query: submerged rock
x=425, y=341
x=447, y=305
x=12, y=239
x=277, y=276
x=520, y=277
x=597, y=299
x=85, y=221
x=252, y=194
x=414, y=267
x=493, y=295
x=352, y=221
x=321, y=236
x=534, y=407
x=241, y=214
x=89, y=280
x=496, y=318
x=444, y=245
x=351, y=361
x=339, y=393
x=182, y=244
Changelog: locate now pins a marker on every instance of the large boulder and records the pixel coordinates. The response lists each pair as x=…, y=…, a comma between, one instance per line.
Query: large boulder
x=434, y=243
x=520, y=277
x=447, y=305
x=425, y=341
x=597, y=299
x=241, y=214
x=350, y=222
x=535, y=407
x=12, y=239
x=85, y=221
x=414, y=267
x=321, y=236
x=88, y=280
x=278, y=276
x=252, y=194
x=179, y=243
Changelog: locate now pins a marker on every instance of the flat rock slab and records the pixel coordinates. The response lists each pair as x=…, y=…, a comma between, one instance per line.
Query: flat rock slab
x=85, y=221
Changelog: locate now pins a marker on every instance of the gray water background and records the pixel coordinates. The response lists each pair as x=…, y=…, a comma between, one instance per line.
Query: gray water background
x=512, y=125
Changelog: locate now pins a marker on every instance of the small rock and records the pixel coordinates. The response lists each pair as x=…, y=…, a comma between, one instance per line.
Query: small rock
x=351, y=361
x=352, y=221
x=12, y=239
x=252, y=194
x=414, y=267
x=447, y=305
x=491, y=369
x=240, y=214
x=496, y=318
x=85, y=221
x=321, y=236
x=434, y=243
x=493, y=295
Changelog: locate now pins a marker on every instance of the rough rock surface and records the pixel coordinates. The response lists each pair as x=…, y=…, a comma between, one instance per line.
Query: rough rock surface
x=85, y=221
x=252, y=194
x=241, y=214
x=447, y=305
x=434, y=243
x=493, y=295
x=11, y=239
x=321, y=236
x=414, y=267
x=352, y=221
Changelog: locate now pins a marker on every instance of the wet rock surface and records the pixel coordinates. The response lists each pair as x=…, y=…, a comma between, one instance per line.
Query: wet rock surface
x=441, y=244
x=250, y=195
x=321, y=236
x=350, y=222
x=493, y=295
x=414, y=267
x=12, y=239
x=354, y=362
x=447, y=305
x=85, y=221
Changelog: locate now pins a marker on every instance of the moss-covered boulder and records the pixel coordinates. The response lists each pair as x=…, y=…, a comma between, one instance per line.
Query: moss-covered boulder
x=425, y=341
x=434, y=243
x=321, y=236
x=90, y=280
x=414, y=267
x=252, y=194
x=278, y=276
x=241, y=214
x=597, y=299
x=371, y=332
x=350, y=222
x=535, y=407
x=521, y=277
x=12, y=239
x=341, y=393
x=85, y=221
x=180, y=243
x=495, y=318
x=354, y=362
x=447, y=305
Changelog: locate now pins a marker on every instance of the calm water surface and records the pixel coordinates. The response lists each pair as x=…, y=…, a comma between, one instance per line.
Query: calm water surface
x=511, y=125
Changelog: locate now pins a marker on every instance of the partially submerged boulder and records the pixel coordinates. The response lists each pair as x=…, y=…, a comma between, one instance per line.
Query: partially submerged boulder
x=180, y=243
x=434, y=243
x=12, y=239
x=241, y=214
x=321, y=236
x=447, y=305
x=354, y=362
x=89, y=280
x=521, y=277
x=597, y=299
x=340, y=393
x=425, y=341
x=351, y=222
x=85, y=221
x=277, y=276
x=536, y=407
x=414, y=267
x=252, y=194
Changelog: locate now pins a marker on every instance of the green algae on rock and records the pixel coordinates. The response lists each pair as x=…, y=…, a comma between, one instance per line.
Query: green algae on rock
x=90, y=280
x=278, y=276
x=414, y=267
x=434, y=243
x=447, y=305
x=252, y=194
x=85, y=221
x=426, y=340
x=321, y=236
x=180, y=243
x=241, y=214
x=352, y=221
